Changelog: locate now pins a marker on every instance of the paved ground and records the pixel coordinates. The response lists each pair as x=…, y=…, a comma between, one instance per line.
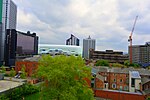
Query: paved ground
x=6, y=85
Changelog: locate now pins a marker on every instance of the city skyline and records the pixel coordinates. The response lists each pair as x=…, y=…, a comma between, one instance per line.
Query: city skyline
x=109, y=22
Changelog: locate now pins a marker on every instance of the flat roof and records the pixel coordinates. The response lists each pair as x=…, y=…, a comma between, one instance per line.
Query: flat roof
x=5, y=85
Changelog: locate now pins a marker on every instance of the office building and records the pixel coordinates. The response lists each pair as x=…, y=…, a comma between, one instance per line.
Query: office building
x=72, y=41
x=110, y=55
x=87, y=45
x=8, y=16
x=141, y=54
x=19, y=45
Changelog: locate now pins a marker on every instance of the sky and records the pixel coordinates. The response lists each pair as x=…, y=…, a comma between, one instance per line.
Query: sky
x=108, y=21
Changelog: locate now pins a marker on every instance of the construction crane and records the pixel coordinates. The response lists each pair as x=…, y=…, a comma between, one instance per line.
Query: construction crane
x=130, y=40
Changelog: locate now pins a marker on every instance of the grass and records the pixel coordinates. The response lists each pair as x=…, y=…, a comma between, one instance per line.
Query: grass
x=35, y=96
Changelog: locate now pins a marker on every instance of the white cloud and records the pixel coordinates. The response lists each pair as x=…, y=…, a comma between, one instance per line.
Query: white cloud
x=108, y=21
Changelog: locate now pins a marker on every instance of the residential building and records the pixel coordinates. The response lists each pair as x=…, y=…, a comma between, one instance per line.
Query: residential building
x=110, y=55
x=87, y=45
x=123, y=79
x=141, y=54
x=8, y=16
x=72, y=41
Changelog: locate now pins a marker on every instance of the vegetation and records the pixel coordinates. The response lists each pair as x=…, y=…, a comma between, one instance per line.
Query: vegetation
x=64, y=78
x=117, y=65
x=20, y=92
x=23, y=73
x=3, y=70
x=102, y=63
x=12, y=72
x=127, y=63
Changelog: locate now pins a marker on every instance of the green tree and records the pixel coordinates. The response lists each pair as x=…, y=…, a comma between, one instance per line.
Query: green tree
x=102, y=63
x=127, y=63
x=64, y=78
x=3, y=70
x=23, y=72
x=12, y=72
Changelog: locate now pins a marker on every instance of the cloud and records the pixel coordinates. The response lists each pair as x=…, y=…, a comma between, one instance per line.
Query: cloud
x=108, y=21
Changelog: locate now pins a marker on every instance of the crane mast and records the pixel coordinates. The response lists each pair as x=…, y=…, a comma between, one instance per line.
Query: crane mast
x=130, y=40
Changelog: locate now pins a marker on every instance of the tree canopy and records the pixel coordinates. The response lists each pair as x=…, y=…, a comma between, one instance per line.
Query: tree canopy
x=102, y=63
x=64, y=78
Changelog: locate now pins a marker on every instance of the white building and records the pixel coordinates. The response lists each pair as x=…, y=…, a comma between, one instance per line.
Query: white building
x=87, y=45
x=63, y=49
x=134, y=81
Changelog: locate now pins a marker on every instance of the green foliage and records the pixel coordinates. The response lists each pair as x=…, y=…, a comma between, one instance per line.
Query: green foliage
x=135, y=65
x=117, y=65
x=148, y=98
x=64, y=78
x=12, y=72
x=3, y=70
x=23, y=72
x=127, y=63
x=18, y=93
x=3, y=97
x=102, y=63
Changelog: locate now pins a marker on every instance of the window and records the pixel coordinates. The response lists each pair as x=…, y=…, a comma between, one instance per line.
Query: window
x=132, y=82
x=126, y=88
x=120, y=87
x=105, y=86
x=114, y=86
x=92, y=85
x=114, y=80
x=121, y=80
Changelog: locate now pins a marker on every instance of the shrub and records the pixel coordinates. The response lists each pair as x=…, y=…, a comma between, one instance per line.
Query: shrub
x=23, y=74
x=102, y=63
x=12, y=72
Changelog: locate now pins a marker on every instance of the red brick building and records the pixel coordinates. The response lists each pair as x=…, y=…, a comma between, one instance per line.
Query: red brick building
x=31, y=64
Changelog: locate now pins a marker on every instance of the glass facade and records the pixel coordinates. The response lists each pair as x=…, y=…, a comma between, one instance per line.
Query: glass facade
x=1, y=6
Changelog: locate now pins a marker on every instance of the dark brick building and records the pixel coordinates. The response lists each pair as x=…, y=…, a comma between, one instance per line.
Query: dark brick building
x=110, y=55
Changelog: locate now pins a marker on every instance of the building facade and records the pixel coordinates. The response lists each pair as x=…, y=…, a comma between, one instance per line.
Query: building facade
x=110, y=55
x=141, y=54
x=19, y=45
x=72, y=41
x=8, y=17
x=63, y=49
x=122, y=79
x=87, y=45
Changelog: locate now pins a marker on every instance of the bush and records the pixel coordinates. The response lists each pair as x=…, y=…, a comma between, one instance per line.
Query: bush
x=18, y=93
x=102, y=63
x=3, y=70
x=3, y=97
x=12, y=72
x=23, y=74
x=117, y=65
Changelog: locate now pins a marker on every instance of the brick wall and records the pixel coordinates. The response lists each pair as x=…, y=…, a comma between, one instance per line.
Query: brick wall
x=30, y=66
x=118, y=95
x=119, y=79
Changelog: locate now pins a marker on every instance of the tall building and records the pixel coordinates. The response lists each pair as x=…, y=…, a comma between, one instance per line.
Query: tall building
x=72, y=41
x=8, y=16
x=19, y=45
x=87, y=45
x=141, y=54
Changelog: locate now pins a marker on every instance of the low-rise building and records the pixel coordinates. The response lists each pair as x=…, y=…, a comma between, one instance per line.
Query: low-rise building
x=110, y=55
